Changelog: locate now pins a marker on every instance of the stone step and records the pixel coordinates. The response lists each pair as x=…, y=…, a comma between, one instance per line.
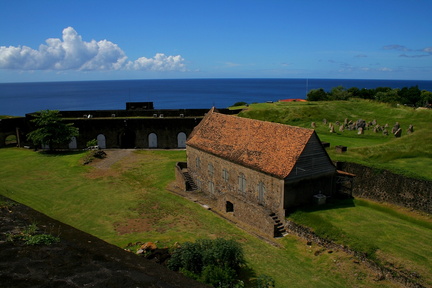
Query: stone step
x=190, y=181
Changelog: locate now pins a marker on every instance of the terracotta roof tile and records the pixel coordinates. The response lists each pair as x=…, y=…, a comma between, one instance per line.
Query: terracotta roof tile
x=265, y=146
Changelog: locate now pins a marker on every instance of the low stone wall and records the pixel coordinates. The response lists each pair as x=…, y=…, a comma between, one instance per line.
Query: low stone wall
x=385, y=186
x=180, y=179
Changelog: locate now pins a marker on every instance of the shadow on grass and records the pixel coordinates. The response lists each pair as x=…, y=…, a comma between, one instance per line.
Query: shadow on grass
x=57, y=153
x=332, y=203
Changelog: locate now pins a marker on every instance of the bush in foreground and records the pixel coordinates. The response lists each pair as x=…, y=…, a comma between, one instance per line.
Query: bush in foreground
x=215, y=262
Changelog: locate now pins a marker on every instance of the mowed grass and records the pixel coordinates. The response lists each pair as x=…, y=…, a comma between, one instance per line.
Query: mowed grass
x=395, y=237
x=410, y=154
x=134, y=196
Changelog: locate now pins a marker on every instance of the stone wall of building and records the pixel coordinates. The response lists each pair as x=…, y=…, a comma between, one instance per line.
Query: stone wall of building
x=117, y=132
x=221, y=179
x=385, y=186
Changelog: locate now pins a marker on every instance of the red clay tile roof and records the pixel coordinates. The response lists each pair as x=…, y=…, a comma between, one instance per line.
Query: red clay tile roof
x=265, y=146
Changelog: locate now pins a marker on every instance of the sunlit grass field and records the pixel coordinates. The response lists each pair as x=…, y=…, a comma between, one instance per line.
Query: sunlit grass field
x=134, y=192
x=392, y=236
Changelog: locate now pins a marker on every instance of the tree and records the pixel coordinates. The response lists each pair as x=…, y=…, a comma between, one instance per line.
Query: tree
x=51, y=130
x=410, y=96
x=339, y=93
x=426, y=98
x=391, y=96
x=317, y=95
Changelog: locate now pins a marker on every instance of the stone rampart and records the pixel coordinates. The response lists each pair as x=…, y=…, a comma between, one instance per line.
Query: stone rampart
x=385, y=186
x=153, y=128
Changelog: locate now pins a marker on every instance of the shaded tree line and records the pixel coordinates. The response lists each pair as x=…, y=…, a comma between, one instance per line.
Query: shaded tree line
x=411, y=96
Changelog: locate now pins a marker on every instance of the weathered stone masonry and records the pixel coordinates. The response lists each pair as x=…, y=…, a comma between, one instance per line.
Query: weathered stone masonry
x=384, y=186
x=245, y=204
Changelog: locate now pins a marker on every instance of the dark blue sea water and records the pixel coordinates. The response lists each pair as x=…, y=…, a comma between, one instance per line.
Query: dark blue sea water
x=17, y=99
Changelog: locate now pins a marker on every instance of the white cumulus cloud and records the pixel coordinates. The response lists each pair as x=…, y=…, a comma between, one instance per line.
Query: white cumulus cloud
x=160, y=62
x=72, y=53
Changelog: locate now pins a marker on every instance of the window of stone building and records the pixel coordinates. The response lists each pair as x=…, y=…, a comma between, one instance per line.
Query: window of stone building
x=242, y=183
x=198, y=163
x=210, y=169
x=261, y=192
x=211, y=187
x=198, y=183
x=225, y=175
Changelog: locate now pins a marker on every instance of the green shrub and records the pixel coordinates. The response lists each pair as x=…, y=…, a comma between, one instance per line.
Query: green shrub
x=218, y=276
x=91, y=143
x=264, y=281
x=42, y=239
x=215, y=262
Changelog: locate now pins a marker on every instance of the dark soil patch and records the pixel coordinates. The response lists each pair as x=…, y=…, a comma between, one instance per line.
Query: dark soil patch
x=78, y=260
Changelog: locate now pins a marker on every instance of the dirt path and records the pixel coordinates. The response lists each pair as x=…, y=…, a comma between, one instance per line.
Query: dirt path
x=113, y=156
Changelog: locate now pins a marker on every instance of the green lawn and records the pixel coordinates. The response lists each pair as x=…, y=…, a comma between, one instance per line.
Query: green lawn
x=133, y=195
x=393, y=236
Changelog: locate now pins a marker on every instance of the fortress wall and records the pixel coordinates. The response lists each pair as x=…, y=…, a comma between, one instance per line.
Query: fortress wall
x=385, y=186
x=131, y=133
x=142, y=113
x=118, y=132
x=13, y=126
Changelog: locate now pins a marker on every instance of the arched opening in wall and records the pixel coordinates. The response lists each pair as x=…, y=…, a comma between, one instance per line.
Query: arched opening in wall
x=181, y=140
x=152, y=140
x=11, y=141
x=229, y=207
x=101, y=141
x=73, y=143
x=127, y=139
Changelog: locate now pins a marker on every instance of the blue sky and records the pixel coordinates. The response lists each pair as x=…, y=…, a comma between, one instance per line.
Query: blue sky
x=104, y=40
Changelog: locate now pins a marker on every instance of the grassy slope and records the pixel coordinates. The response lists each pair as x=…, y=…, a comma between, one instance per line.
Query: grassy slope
x=410, y=155
x=393, y=236
x=62, y=188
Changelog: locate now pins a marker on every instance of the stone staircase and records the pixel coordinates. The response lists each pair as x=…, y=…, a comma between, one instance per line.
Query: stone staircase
x=279, y=228
x=190, y=184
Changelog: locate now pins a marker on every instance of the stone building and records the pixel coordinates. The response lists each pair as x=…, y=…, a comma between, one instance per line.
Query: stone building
x=139, y=126
x=258, y=170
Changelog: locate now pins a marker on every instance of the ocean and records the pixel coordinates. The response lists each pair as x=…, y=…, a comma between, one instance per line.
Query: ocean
x=17, y=99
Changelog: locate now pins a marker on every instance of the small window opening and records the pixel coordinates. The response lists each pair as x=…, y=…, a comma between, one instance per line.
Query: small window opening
x=229, y=206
